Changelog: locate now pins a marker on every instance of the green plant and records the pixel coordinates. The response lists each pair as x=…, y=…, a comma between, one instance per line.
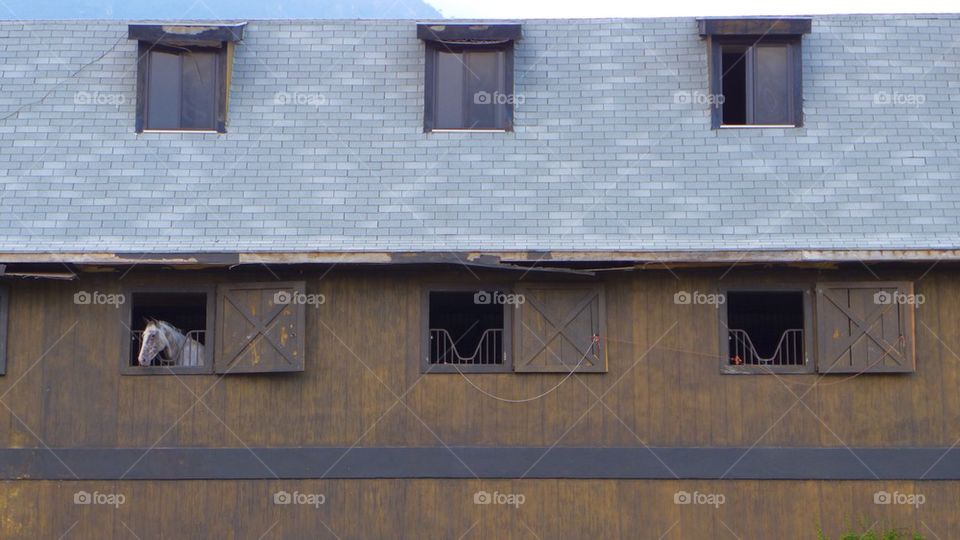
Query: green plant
x=873, y=533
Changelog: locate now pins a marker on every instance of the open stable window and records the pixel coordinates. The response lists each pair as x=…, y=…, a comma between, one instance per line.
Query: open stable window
x=4, y=318
x=170, y=331
x=766, y=331
x=846, y=327
x=466, y=330
x=183, y=76
x=531, y=328
x=468, y=82
x=755, y=71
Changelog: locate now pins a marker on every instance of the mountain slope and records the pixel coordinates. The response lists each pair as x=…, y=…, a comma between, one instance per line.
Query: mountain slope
x=217, y=9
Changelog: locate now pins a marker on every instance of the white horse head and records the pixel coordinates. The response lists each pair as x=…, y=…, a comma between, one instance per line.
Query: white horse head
x=161, y=336
x=156, y=339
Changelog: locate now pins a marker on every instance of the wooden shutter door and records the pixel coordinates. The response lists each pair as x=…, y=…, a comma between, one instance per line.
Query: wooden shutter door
x=560, y=328
x=865, y=327
x=260, y=327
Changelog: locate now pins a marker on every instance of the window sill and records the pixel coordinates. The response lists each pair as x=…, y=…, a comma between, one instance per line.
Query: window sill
x=201, y=131
x=766, y=370
x=159, y=370
x=452, y=130
x=758, y=126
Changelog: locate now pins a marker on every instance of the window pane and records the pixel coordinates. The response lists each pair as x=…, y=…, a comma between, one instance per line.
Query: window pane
x=199, y=90
x=163, y=91
x=733, y=83
x=771, y=85
x=485, y=96
x=449, y=95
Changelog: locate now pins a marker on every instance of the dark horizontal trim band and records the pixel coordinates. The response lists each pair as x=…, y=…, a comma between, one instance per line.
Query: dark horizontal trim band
x=482, y=462
x=755, y=26
x=446, y=32
x=199, y=34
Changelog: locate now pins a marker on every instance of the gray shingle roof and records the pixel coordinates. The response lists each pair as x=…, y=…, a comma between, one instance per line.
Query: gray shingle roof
x=612, y=149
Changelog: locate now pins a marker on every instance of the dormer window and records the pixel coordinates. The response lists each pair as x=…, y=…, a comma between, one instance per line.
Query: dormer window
x=469, y=76
x=755, y=71
x=183, y=76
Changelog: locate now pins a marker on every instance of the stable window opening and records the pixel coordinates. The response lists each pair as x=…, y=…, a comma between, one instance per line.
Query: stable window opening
x=466, y=331
x=765, y=329
x=169, y=329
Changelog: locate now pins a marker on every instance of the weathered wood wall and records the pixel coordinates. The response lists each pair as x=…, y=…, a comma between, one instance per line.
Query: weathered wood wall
x=363, y=383
x=561, y=509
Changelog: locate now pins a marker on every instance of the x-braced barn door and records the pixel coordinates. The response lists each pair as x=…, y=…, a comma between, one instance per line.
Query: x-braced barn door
x=559, y=328
x=260, y=327
x=865, y=327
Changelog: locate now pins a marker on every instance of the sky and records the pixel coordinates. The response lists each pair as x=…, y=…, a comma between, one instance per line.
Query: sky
x=521, y=9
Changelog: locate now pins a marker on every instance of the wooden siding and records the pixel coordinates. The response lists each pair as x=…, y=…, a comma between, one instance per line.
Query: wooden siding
x=664, y=388
x=563, y=509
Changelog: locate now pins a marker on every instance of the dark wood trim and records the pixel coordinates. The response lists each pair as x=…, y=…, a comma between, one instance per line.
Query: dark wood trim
x=444, y=32
x=718, y=463
x=714, y=75
x=4, y=321
x=509, y=85
x=143, y=54
x=755, y=26
x=809, y=332
x=424, y=361
x=127, y=313
x=429, y=88
x=186, y=34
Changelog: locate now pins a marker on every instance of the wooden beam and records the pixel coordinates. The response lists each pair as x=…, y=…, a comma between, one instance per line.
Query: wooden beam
x=446, y=32
x=755, y=26
x=186, y=34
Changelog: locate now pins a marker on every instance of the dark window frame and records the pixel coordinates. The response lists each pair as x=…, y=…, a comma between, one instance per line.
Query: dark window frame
x=427, y=367
x=794, y=100
x=430, y=95
x=127, y=325
x=143, y=69
x=809, y=332
x=4, y=320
